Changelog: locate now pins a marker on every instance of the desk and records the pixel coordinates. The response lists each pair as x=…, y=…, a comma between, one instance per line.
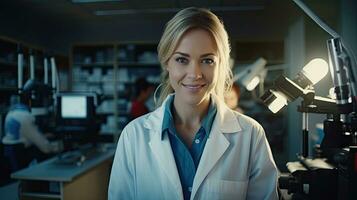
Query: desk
x=48, y=180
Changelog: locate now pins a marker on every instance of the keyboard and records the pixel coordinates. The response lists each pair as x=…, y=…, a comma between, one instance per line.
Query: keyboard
x=77, y=157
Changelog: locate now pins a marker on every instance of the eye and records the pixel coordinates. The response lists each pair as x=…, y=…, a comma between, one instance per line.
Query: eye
x=208, y=61
x=181, y=60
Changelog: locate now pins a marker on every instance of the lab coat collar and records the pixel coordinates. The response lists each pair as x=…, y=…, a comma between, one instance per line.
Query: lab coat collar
x=226, y=118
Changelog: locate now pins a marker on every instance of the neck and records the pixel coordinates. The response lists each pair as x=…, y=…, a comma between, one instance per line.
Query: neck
x=190, y=115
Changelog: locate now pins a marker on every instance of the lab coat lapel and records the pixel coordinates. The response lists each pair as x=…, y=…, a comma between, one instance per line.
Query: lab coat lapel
x=217, y=143
x=161, y=148
x=166, y=161
x=215, y=147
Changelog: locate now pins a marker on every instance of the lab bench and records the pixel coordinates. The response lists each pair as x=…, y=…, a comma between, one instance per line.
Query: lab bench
x=87, y=179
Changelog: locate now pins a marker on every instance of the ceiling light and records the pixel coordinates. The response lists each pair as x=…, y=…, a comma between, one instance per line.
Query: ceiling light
x=94, y=1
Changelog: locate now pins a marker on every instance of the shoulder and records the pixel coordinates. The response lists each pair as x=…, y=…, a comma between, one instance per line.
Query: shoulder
x=140, y=126
x=246, y=121
x=247, y=126
x=232, y=120
x=20, y=115
x=138, y=123
x=253, y=131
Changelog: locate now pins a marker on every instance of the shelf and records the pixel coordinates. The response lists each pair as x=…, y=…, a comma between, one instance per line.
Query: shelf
x=99, y=64
x=105, y=113
x=8, y=63
x=14, y=64
x=94, y=82
x=107, y=97
x=8, y=88
x=138, y=64
x=111, y=64
x=129, y=83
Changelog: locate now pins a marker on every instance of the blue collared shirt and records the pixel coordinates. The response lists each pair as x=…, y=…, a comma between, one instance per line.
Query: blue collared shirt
x=187, y=159
x=13, y=124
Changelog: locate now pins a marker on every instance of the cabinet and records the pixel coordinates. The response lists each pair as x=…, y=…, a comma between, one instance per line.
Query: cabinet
x=52, y=180
x=8, y=72
x=110, y=70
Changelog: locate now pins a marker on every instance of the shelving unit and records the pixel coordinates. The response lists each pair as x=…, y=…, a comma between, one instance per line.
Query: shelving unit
x=8, y=70
x=111, y=70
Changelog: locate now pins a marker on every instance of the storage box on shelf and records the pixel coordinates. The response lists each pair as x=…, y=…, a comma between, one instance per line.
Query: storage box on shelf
x=138, y=60
x=93, y=71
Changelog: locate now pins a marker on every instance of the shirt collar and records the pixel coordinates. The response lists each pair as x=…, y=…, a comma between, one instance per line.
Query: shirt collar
x=168, y=117
x=226, y=120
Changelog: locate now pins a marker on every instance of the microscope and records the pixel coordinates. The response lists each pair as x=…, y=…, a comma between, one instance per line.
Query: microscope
x=39, y=92
x=332, y=173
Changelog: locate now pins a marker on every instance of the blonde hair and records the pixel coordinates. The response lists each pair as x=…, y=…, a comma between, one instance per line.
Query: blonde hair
x=183, y=21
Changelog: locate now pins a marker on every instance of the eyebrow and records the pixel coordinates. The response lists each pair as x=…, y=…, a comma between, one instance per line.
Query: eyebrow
x=187, y=55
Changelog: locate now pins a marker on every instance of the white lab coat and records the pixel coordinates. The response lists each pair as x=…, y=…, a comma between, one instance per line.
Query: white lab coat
x=236, y=162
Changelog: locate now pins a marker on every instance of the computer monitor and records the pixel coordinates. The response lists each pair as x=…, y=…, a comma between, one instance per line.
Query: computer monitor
x=76, y=118
x=75, y=110
x=74, y=107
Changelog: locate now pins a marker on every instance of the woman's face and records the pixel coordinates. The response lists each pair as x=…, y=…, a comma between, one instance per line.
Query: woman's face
x=193, y=66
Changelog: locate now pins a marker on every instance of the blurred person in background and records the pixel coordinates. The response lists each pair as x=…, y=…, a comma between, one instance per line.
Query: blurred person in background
x=143, y=91
x=23, y=141
x=231, y=97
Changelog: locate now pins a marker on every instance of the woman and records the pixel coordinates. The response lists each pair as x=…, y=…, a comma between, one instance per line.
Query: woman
x=193, y=146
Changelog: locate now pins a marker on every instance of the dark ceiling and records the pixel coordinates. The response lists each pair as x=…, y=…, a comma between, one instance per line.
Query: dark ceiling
x=52, y=21
x=73, y=10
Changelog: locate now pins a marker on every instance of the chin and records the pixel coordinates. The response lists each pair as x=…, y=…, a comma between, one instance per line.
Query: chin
x=193, y=99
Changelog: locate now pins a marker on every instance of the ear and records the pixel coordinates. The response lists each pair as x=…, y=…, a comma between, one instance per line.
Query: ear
x=166, y=63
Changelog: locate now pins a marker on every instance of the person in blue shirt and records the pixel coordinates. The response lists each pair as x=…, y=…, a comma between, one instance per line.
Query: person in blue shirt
x=193, y=146
x=23, y=141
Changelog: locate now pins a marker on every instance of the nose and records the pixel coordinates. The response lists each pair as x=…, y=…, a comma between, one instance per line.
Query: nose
x=194, y=71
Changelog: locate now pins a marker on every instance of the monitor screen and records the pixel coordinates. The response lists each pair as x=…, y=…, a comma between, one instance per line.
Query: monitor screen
x=76, y=121
x=74, y=107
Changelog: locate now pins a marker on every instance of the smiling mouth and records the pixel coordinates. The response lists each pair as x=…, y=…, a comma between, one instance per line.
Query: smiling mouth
x=194, y=87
